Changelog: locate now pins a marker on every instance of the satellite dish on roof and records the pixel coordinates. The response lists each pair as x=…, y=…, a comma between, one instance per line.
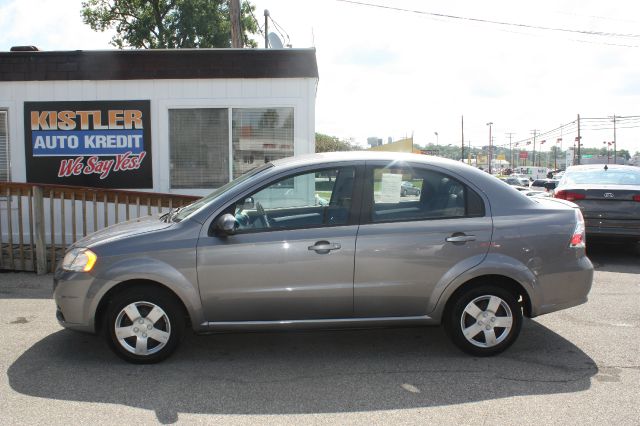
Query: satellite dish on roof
x=274, y=41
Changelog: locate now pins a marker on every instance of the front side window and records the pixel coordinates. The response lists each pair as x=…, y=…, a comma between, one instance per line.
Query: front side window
x=199, y=147
x=406, y=193
x=313, y=199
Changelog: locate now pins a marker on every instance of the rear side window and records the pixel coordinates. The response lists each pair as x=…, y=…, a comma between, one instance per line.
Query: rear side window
x=406, y=193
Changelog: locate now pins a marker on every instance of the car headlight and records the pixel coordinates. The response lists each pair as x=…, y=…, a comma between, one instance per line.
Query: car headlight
x=79, y=260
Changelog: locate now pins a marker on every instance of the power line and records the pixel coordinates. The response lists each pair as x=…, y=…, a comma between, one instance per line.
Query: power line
x=278, y=27
x=260, y=29
x=488, y=21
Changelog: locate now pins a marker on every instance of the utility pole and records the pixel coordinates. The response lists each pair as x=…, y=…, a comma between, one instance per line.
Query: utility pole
x=535, y=133
x=462, y=123
x=615, y=157
x=266, y=28
x=579, y=141
x=236, y=33
x=490, y=147
x=510, y=135
x=555, y=152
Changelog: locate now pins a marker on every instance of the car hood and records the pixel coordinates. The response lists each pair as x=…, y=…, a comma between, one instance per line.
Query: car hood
x=122, y=230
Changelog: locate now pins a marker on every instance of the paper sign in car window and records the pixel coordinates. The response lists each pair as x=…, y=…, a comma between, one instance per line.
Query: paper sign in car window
x=390, y=188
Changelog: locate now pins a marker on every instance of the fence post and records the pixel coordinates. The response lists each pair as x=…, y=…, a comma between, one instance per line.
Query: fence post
x=41, y=247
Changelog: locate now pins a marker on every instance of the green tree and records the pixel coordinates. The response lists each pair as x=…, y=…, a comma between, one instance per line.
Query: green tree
x=158, y=24
x=326, y=143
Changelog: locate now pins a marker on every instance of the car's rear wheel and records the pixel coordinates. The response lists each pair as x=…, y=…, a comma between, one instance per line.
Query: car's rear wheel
x=484, y=320
x=144, y=325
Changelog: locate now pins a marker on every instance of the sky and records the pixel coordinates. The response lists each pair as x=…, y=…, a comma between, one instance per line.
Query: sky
x=391, y=73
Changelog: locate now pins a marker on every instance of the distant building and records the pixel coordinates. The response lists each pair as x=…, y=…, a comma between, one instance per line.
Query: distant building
x=403, y=145
x=374, y=141
x=601, y=159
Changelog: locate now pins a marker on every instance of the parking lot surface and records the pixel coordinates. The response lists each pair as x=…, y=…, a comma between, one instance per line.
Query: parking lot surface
x=578, y=366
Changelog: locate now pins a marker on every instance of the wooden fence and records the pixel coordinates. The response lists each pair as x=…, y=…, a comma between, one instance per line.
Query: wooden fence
x=38, y=222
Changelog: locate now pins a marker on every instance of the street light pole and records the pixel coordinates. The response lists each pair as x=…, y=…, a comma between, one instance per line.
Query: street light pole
x=437, y=142
x=615, y=147
x=490, y=147
x=510, y=134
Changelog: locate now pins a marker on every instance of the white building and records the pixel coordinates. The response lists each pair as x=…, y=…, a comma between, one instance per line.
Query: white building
x=173, y=121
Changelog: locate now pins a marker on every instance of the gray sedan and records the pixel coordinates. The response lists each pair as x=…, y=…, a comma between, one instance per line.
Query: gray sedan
x=261, y=253
x=609, y=197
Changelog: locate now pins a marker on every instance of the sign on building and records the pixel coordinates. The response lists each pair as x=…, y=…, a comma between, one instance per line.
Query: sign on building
x=104, y=144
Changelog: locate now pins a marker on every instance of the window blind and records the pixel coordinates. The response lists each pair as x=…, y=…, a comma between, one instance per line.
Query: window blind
x=199, y=147
x=4, y=147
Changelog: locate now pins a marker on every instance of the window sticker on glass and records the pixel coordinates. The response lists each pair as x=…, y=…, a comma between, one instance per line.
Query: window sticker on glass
x=390, y=188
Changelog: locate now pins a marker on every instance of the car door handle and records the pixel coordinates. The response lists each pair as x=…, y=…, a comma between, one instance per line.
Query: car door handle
x=324, y=247
x=460, y=238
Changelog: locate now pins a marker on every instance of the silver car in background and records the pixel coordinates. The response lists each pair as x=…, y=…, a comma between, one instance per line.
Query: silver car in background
x=469, y=252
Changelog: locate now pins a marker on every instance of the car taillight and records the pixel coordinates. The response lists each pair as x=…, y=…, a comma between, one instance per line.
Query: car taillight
x=569, y=195
x=636, y=197
x=578, y=237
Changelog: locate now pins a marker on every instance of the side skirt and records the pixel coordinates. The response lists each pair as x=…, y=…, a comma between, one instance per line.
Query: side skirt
x=422, y=320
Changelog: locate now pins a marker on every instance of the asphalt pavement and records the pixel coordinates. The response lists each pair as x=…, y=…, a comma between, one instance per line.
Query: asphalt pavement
x=578, y=366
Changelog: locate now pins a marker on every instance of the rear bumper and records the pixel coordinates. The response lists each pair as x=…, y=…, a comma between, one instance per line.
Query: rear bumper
x=612, y=228
x=565, y=289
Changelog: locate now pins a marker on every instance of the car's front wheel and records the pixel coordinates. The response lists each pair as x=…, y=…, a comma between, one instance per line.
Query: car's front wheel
x=484, y=320
x=144, y=325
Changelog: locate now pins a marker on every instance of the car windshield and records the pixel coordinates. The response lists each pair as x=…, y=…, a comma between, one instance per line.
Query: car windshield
x=186, y=211
x=602, y=176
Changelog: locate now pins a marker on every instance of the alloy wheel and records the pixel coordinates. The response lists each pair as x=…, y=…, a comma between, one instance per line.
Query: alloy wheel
x=142, y=328
x=486, y=321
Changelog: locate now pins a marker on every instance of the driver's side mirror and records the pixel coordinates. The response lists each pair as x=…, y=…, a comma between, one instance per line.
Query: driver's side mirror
x=226, y=224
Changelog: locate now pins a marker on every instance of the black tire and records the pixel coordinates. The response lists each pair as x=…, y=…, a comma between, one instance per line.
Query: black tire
x=484, y=321
x=418, y=193
x=403, y=192
x=165, y=324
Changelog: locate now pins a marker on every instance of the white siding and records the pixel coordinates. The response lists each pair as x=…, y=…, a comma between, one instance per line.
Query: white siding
x=298, y=93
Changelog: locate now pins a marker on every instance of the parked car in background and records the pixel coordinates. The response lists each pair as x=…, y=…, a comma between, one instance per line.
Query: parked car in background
x=536, y=193
x=608, y=196
x=261, y=253
x=407, y=188
x=546, y=185
x=512, y=180
x=524, y=180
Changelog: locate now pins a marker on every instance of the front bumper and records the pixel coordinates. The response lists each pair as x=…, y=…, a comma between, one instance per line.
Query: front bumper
x=72, y=294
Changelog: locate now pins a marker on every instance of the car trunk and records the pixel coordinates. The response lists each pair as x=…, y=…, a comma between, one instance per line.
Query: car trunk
x=608, y=208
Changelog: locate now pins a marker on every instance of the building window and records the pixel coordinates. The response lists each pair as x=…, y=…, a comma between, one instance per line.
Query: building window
x=4, y=147
x=199, y=147
x=260, y=135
